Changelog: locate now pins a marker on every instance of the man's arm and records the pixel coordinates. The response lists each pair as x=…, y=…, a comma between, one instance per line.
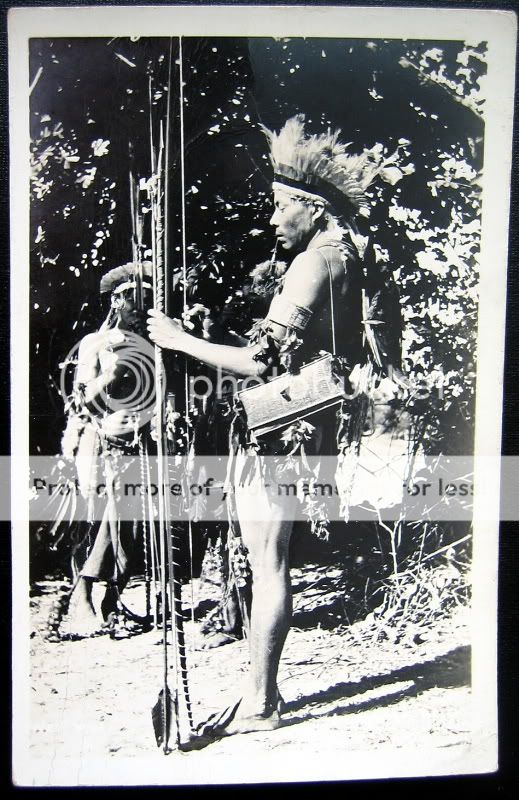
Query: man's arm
x=305, y=285
x=306, y=281
x=238, y=360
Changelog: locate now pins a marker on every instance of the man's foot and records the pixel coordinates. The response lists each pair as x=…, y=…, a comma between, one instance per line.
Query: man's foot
x=217, y=639
x=80, y=629
x=222, y=626
x=120, y=626
x=109, y=603
x=235, y=719
x=81, y=619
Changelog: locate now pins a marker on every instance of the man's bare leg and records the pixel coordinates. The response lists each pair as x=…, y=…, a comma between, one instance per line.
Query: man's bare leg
x=271, y=611
x=268, y=544
x=81, y=617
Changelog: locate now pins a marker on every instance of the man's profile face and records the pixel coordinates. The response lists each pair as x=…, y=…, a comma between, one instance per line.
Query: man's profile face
x=294, y=221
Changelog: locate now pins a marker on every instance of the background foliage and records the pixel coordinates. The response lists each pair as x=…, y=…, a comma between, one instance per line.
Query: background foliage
x=90, y=107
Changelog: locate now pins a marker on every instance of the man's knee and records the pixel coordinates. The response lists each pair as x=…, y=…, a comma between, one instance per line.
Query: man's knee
x=268, y=564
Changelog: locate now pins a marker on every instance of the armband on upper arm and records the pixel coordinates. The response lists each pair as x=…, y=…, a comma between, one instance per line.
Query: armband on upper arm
x=286, y=313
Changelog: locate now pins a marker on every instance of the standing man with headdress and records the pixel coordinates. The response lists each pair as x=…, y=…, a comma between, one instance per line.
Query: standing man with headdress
x=318, y=191
x=102, y=426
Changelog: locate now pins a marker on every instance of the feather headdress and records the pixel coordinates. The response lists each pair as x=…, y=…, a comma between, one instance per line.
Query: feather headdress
x=317, y=164
x=126, y=273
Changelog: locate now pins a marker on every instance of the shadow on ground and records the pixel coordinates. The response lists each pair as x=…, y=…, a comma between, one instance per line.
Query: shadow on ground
x=448, y=671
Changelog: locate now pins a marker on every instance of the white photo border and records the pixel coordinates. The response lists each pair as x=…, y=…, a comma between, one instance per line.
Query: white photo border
x=498, y=29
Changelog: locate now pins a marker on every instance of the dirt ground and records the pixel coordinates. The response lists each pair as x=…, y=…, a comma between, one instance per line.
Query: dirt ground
x=349, y=697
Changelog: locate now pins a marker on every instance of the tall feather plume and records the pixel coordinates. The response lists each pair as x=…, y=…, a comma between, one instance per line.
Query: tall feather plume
x=312, y=158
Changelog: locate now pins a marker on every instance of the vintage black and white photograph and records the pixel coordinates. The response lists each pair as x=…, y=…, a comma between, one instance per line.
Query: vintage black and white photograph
x=259, y=269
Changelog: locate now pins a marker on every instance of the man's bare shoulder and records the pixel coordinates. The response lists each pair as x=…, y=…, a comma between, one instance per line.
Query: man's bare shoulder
x=309, y=263
x=91, y=343
x=306, y=278
x=91, y=339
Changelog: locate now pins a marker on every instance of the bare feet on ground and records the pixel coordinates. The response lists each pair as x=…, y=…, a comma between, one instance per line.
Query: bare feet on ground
x=81, y=618
x=245, y=716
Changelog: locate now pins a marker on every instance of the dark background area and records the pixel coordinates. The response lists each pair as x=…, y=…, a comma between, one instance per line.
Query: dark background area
x=502, y=783
x=96, y=90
